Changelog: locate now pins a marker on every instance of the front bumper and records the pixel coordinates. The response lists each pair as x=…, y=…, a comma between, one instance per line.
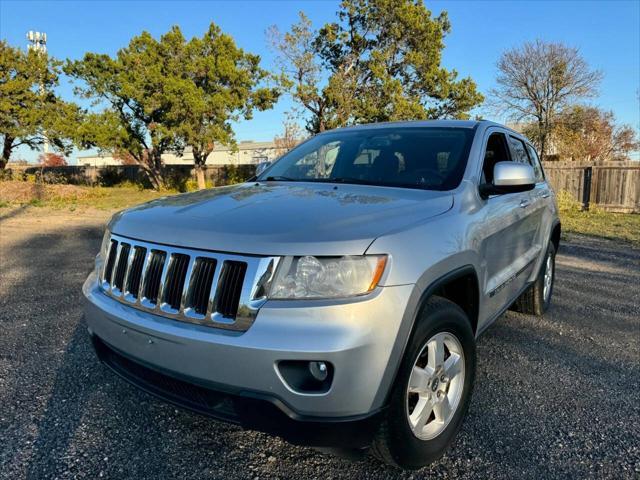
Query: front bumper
x=356, y=337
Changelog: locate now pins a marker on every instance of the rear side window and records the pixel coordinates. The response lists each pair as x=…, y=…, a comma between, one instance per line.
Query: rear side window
x=519, y=151
x=535, y=163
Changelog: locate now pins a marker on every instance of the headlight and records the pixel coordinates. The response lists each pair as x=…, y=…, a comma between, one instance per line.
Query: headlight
x=103, y=250
x=327, y=277
x=105, y=243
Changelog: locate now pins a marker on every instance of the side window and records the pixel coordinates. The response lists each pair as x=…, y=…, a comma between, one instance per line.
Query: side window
x=495, y=152
x=535, y=162
x=519, y=151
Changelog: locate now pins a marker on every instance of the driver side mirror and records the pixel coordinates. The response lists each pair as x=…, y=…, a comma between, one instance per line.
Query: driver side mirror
x=509, y=177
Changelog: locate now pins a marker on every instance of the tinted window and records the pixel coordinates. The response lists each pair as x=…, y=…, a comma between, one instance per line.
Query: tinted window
x=535, y=163
x=430, y=158
x=496, y=151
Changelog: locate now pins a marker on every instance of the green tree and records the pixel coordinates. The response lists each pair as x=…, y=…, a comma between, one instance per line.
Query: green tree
x=162, y=95
x=382, y=60
x=221, y=83
x=30, y=112
x=537, y=81
x=138, y=90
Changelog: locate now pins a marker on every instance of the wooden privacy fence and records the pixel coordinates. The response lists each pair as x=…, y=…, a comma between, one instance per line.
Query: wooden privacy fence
x=612, y=187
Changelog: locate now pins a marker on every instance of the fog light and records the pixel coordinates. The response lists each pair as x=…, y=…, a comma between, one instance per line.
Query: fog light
x=319, y=370
x=306, y=376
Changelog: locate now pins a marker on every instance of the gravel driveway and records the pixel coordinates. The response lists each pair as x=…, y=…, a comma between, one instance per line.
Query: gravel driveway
x=556, y=397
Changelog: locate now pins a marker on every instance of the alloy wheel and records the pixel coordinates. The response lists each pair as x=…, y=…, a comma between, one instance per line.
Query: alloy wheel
x=435, y=385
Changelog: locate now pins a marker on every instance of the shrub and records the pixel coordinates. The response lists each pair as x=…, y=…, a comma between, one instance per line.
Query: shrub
x=53, y=177
x=175, y=180
x=110, y=176
x=191, y=185
x=567, y=202
x=6, y=174
x=232, y=174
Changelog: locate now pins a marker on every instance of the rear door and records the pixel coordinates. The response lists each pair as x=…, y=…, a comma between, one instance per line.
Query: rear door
x=542, y=199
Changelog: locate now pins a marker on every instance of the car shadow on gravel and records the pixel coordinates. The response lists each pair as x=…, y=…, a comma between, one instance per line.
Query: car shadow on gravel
x=70, y=415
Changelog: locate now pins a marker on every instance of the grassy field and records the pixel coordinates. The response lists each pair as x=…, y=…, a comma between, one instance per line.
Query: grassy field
x=620, y=226
x=596, y=222
x=69, y=197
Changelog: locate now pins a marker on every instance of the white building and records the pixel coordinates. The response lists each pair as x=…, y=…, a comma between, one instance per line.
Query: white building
x=247, y=152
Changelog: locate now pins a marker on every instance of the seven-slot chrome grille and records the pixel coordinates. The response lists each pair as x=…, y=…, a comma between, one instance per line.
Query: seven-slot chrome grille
x=208, y=288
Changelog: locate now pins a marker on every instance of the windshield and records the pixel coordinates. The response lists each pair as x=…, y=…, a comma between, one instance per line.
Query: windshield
x=429, y=158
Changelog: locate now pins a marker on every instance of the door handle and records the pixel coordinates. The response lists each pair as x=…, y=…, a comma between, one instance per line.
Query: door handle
x=545, y=195
x=524, y=203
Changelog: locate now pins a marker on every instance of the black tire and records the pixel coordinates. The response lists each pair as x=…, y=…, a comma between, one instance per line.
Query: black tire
x=532, y=301
x=395, y=442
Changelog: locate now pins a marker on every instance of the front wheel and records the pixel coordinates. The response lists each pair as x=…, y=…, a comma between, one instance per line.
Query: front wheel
x=432, y=390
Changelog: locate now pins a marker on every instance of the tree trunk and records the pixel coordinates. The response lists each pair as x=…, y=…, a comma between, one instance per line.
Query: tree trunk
x=202, y=184
x=199, y=161
x=542, y=138
x=6, y=151
x=154, y=169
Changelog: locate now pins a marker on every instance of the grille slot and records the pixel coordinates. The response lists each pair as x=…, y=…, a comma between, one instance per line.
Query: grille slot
x=207, y=288
x=121, y=267
x=201, y=282
x=174, y=283
x=154, y=275
x=135, y=272
x=111, y=260
x=230, y=288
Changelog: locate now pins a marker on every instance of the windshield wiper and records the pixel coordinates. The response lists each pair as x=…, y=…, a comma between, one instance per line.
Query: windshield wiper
x=280, y=178
x=354, y=180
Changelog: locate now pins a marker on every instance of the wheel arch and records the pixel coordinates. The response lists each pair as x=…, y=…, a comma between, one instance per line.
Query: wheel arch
x=448, y=286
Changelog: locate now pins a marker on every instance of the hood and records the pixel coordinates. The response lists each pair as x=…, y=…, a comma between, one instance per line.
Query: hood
x=280, y=218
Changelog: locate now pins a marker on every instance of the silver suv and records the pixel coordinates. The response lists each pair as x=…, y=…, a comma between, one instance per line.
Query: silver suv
x=335, y=299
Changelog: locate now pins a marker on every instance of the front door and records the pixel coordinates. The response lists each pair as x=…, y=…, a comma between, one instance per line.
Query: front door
x=508, y=235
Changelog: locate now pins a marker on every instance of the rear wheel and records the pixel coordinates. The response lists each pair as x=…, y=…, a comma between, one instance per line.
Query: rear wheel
x=432, y=390
x=537, y=298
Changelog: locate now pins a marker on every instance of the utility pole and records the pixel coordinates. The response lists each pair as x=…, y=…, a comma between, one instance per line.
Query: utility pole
x=38, y=42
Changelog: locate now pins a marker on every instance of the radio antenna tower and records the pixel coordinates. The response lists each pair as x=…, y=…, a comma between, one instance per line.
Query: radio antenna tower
x=38, y=42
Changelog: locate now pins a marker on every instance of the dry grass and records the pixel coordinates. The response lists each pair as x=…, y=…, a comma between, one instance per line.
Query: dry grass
x=72, y=197
x=26, y=192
